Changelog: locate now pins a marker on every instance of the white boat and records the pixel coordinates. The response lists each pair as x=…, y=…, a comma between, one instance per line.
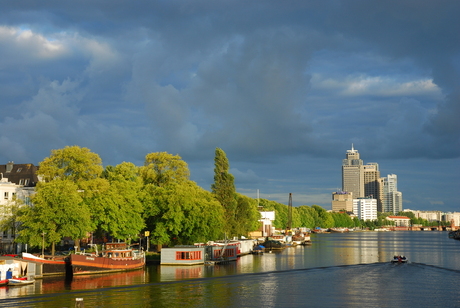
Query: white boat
x=19, y=281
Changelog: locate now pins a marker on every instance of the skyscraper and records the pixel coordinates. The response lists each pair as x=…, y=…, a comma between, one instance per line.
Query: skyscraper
x=352, y=174
x=392, y=198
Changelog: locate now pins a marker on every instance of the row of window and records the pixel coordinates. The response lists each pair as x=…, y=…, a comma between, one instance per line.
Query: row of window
x=188, y=255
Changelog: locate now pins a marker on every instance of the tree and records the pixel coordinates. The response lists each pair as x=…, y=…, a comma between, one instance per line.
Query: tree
x=162, y=168
x=224, y=190
x=71, y=163
x=181, y=213
x=9, y=215
x=118, y=210
x=247, y=215
x=58, y=211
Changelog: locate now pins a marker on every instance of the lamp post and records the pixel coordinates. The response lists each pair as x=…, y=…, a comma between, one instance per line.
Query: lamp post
x=43, y=244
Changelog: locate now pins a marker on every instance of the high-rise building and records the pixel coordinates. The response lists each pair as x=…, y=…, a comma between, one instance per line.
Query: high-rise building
x=364, y=181
x=372, y=183
x=352, y=174
x=392, y=198
x=342, y=200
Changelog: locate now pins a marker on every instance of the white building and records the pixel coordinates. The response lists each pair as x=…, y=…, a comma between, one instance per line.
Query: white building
x=267, y=218
x=11, y=194
x=365, y=208
x=392, y=198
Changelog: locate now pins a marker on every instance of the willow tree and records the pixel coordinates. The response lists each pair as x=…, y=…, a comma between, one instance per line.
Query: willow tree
x=224, y=190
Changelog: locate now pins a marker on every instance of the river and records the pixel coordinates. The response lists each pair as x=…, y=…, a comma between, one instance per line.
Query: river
x=338, y=270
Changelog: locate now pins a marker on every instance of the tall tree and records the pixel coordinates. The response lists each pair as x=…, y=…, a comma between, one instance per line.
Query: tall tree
x=162, y=168
x=247, y=215
x=71, y=163
x=118, y=210
x=75, y=165
x=224, y=190
x=58, y=211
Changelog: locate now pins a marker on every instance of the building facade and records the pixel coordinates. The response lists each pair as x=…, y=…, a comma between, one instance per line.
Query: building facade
x=352, y=173
x=365, y=208
x=342, y=200
x=392, y=198
x=17, y=185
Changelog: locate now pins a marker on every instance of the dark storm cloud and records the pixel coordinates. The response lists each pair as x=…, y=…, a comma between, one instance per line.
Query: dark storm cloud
x=284, y=89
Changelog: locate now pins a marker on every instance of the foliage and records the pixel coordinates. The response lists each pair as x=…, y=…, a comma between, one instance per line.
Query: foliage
x=182, y=213
x=58, y=211
x=161, y=169
x=247, y=215
x=224, y=190
x=117, y=210
x=71, y=163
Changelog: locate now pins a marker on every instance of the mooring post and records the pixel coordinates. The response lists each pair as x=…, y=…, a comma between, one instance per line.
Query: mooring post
x=79, y=303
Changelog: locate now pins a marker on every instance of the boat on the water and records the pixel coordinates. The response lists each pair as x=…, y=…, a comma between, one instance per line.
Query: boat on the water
x=455, y=234
x=399, y=259
x=115, y=258
x=3, y=282
x=20, y=281
x=52, y=265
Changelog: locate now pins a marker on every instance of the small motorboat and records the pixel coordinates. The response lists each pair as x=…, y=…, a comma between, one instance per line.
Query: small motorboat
x=3, y=282
x=399, y=259
x=20, y=281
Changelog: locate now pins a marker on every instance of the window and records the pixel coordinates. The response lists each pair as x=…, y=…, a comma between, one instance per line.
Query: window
x=188, y=255
x=6, y=195
x=19, y=170
x=21, y=182
x=26, y=182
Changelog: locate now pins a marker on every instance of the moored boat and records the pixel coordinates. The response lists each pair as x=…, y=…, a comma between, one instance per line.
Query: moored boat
x=3, y=282
x=116, y=257
x=20, y=281
x=55, y=265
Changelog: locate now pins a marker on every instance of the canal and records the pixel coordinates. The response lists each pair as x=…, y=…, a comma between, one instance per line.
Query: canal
x=339, y=269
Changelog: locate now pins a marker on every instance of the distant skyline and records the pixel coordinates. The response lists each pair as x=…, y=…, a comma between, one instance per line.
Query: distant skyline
x=284, y=90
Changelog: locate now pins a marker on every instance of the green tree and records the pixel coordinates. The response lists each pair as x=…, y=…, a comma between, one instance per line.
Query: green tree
x=58, y=211
x=9, y=212
x=161, y=169
x=117, y=209
x=224, y=190
x=71, y=163
x=325, y=219
x=182, y=213
x=306, y=214
x=247, y=215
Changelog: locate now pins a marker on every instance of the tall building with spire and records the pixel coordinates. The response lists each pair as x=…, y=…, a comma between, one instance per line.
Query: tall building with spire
x=353, y=173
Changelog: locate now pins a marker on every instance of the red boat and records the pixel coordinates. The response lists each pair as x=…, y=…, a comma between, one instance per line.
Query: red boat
x=115, y=258
x=3, y=282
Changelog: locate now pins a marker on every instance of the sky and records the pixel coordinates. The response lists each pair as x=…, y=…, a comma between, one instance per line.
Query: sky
x=283, y=87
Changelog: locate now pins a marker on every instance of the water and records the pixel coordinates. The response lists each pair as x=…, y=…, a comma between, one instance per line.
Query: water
x=338, y=270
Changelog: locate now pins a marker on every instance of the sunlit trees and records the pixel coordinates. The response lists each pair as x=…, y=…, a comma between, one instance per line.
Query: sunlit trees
x=247, y=215
x=118, y=210
x=176, y=210
x=58, y=211
x=224, y=190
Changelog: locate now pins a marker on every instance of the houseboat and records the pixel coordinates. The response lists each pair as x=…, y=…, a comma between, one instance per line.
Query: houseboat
x=210, y=253
x=115, y=258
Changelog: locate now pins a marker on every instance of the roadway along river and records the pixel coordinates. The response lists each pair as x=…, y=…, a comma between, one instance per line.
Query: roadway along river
x=338, y=270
